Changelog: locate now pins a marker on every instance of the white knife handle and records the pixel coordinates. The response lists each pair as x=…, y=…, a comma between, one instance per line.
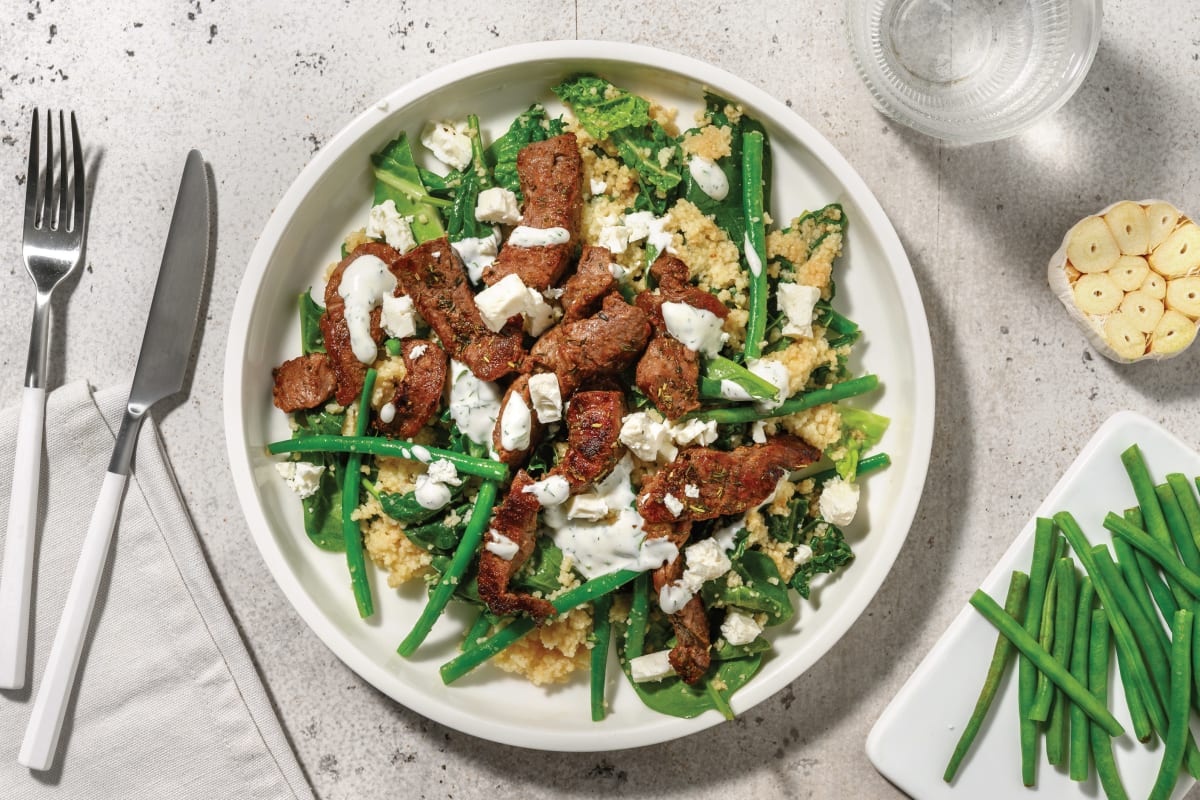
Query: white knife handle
x=49, y=708
x=16, y=576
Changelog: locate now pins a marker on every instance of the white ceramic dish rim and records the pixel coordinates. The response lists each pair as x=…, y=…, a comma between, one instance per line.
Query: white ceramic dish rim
x=900, y=516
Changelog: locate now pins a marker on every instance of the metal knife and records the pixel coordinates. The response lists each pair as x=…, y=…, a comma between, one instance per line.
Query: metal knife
x=161, y=370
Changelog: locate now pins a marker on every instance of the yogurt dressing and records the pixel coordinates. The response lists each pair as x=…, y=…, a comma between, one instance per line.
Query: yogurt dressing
x=515, y=424
x=478, y=254
x=695, y=328
x=474, y=404
x=364, y=285
x=709, y=177
x=525, y=236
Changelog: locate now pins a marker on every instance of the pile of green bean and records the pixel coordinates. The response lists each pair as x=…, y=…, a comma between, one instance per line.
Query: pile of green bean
x=1051, y=618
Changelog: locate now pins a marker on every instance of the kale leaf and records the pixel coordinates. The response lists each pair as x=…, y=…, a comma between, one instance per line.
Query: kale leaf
x=830, y=552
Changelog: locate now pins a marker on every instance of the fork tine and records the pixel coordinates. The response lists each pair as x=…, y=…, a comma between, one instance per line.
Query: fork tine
x=47, y=220
x=60, y=214
x=77, y=208
x=32, y=173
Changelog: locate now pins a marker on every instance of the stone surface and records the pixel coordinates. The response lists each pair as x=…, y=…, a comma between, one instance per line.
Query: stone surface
x=259, y=91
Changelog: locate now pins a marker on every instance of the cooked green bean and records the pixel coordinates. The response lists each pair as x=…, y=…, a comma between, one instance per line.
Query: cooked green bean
x=601, y=635
x=481, y=514
x=1079, y=668
x=817, y=397
x=1156, y=658
x=351, y=484
x=1064, y=638
x=463, y=663
x=1138, y=715
x=1178, y=526
x=1179, y=709
x=1106, y=767
x=1045, y=542
x=478, y=630
x=639, y=611
x=1164, y=556
x=1127, y=562
x=866, y=465
x=1187, y=503
x=756, y=241
x=1014, y=606
x=1059, y=639
x=1152, y=513
x=1078, y=693
x=378, y=446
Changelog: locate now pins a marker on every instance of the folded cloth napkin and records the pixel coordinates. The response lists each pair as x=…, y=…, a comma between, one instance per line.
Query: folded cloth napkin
x=168, y=703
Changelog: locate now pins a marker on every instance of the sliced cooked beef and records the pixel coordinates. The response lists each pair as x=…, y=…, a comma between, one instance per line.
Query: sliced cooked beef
x=418, y=396
x=551, y=176
x=432, y=275
x=602, y=344
x=727, y=482
x=593, y=428
x=347, y=369
x=304, y=382
x=591, y=281
x=673, y=287
x=690, y=657
x=518, y=388
x=669, y=374
x=516, y=519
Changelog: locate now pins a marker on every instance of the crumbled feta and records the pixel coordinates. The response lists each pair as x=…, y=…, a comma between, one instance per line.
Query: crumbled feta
x=644, y=225
x=301, y=477
x=691, y=490
x=740, y=628
x=651, y=667
x=516, y=424
x=839, y=501
x=385, y=222
x=694, y=431
x=646, y=437
x=501, y=545
x=617, y=271
x=614, y=237
x=672, y=597
x=598, y=187
x=546, y=397
x=398, y=316
x=449, y=142
x=695, y=328
x=417, y=352
x=525, y=236
x=502, y=300
x=550, y=492
x=554, y=293
x=588, y=505
x=673, y=504
x=497, y=205
x=797, y=302
x=478, y=254
x=758, y=432
x=433, y=488
x=803, y=554
x=539, y=315
x=706, y=561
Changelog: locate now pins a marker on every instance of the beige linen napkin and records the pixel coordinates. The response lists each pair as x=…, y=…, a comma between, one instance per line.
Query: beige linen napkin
x=168, y=703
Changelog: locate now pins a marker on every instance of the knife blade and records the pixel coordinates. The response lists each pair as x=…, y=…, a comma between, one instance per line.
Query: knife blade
x=161, y=372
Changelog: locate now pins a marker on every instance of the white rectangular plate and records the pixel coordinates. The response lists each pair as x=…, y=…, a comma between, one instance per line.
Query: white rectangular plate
x=913, y=739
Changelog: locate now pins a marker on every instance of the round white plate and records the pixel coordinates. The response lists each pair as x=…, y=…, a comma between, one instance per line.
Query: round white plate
x=332, y=196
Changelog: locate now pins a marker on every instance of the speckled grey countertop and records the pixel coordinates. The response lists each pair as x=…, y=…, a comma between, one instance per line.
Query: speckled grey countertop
x=258, y=87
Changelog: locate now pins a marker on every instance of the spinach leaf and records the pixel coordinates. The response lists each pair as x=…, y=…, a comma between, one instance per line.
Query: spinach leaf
x=404, y=508
x=311, y=338
x=540, y=573
x=762, y=588
x=434, y=536
x=531, y=125
x=728, y=652
x=462, y=223
x=397, y=179
x=323, y=510
x=830, y=552
x=317, y=423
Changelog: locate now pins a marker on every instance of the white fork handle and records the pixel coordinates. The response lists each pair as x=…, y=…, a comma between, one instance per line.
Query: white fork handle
x=50, y=706
x=16, y=576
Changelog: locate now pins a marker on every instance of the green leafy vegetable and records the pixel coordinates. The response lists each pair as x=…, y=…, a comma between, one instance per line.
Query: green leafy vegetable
x=719, y=369
x=532, y=125
x=541, y=571
x=601, y=108
x=461, y=223
x=674, y=697
x=761, y=588
x=322, y=510
x=311, y=338
x=861, y=430
x=830, y=552
x=397, y=179
x=786, y=527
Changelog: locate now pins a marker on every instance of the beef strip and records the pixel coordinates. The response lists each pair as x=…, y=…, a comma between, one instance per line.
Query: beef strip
x=673, y=287
x=347, y=369
x=551, y=176
x=728, y=482
x=585, y=289
x=518, y=388
x=433, y=276
x=669, y=374
x=593, y=424
x=304, y=382
x=515, y=518
x=603, y=344
x=690, y=657
x=418, y=396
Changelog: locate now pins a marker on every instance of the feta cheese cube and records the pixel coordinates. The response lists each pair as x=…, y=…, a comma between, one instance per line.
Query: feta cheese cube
x=673, y=504
x=497, y=205
x=546, y=397
x=506, y=298
x=739, y=627
x=646, y=438
x=803, y=554
x=301, y=477
x=398, y=316
x=588, y=505
x=706, y=561
x=614, y=237
x=672, y=597
x=797, y=303
x=598, y=187
x=449, y=143
x=651, y=667
x=839, y=501
x=539, y=315
x=385, y=222
x=694, y=431
x=691, y=490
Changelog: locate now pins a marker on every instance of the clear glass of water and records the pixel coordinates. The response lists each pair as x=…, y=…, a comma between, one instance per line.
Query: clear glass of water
x=972, y=70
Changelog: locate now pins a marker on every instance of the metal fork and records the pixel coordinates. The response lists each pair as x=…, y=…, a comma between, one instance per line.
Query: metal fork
x=52, y=250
